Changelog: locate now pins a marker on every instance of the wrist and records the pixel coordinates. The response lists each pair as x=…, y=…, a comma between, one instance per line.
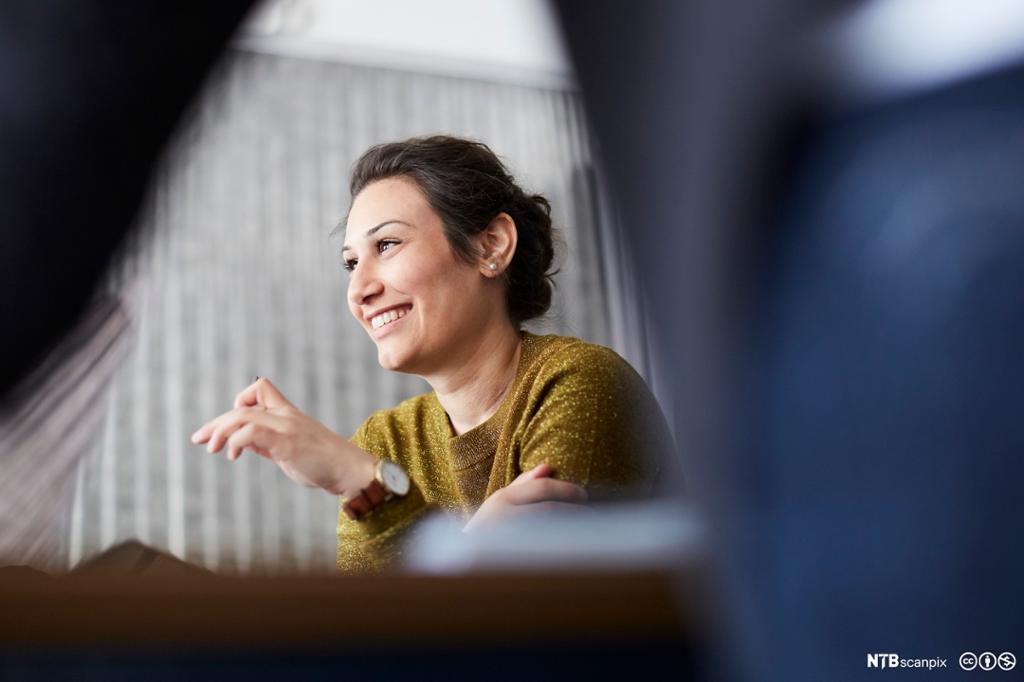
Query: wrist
x=357, y=470
x=389, y=481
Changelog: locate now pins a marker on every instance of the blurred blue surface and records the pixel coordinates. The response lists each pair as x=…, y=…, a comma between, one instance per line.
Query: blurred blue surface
x=883, y=486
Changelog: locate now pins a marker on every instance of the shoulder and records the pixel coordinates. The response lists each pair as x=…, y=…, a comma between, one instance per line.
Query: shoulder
x=591, y=415
x=574, y=378
x=561, y=359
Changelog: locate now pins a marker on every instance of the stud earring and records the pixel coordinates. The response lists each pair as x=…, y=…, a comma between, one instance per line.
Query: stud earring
x=492, y=266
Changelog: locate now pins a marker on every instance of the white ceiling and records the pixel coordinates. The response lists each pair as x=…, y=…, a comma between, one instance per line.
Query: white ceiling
x=517, y=40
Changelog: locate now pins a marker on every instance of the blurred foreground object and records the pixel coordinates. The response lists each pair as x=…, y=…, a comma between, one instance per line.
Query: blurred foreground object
x=89, y=93
x=885, y=386
x=44, y=434
x=833, y=206
x=637, y=536
x=114, y=621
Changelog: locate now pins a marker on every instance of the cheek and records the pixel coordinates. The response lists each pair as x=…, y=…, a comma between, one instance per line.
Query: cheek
x=427, y=279
x=455, y=283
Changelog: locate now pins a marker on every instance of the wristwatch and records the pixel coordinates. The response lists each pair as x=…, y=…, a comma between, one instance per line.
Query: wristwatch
x=389, y=480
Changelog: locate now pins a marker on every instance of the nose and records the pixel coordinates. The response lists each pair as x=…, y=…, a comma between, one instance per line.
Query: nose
x=363, y=287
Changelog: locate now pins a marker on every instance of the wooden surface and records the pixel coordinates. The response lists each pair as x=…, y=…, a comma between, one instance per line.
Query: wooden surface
x=135, y=599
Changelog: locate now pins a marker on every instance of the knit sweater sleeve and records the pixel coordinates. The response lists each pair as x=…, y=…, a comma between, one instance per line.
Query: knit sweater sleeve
x=593, y=419
x=375, y=542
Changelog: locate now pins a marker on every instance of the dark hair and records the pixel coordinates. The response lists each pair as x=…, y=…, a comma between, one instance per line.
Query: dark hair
x=467, y=185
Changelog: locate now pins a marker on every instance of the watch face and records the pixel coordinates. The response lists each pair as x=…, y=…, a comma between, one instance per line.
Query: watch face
x=395, y=478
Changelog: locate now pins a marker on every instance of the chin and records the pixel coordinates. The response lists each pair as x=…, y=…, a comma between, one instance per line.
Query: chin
x=391, y=361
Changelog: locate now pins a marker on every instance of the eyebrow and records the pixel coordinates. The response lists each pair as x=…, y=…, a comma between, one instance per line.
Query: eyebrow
x=374, y=229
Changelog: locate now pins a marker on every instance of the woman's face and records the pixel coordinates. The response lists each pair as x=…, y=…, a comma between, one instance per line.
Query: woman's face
x=415, y=298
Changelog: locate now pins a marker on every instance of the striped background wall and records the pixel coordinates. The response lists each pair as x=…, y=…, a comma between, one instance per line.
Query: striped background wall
x=239, y=278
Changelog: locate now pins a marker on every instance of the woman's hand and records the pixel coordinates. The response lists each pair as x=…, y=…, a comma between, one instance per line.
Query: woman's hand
x=532, y=491
x=307, y=451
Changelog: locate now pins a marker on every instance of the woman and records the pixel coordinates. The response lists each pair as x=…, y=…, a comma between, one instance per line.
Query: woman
x=447, y=258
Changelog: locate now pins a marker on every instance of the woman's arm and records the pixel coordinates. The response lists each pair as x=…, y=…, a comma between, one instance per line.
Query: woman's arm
x=533, y=491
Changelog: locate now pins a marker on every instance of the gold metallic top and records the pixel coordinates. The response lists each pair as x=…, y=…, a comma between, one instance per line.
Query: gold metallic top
x=574, y=405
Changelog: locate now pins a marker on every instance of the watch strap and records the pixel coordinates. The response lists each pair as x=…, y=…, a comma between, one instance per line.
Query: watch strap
x=368, y=499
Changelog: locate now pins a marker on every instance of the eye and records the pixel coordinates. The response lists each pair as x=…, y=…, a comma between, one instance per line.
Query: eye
x=385, y=244
x=349, y=264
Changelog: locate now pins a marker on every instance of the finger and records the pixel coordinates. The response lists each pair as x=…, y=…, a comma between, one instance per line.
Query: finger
x=561, y=507
x=230, y=422
x=545, y=490
x=202, y=434
x=542, y=470
x=239, y=440
x=253, y=436
x=208, y=432
x=247, y=396
x=550, y=508
x=261, y=392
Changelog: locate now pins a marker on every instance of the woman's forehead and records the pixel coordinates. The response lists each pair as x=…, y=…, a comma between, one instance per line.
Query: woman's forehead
x=392, y=200
x=388, y=199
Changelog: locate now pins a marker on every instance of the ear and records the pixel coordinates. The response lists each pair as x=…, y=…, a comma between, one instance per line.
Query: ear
x=497, y=245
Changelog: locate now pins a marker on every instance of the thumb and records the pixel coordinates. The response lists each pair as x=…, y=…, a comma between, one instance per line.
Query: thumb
x=261, y=392
x=268, y=395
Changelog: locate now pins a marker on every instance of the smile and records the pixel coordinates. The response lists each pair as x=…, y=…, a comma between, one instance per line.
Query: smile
x=387, y=317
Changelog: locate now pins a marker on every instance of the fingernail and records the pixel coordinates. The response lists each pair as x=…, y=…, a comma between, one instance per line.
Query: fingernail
x=195, y=436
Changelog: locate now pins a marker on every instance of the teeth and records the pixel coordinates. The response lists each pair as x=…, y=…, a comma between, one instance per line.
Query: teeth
x=379, y=321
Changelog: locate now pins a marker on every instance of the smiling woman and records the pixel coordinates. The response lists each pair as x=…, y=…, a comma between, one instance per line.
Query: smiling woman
x=448, y=257
x=420, y=302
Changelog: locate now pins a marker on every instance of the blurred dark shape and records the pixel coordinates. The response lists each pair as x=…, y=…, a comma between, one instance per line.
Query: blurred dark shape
x=847, y=313
x=89, y=93
x=49, y=428
x=883, y=466
x=135, y=559
x=139, y=615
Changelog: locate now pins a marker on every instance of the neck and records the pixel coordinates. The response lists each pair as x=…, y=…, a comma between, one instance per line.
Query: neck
x=472, y=391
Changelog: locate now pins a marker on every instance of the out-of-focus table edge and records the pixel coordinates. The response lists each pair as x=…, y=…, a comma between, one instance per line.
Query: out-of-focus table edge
x=199, y=610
